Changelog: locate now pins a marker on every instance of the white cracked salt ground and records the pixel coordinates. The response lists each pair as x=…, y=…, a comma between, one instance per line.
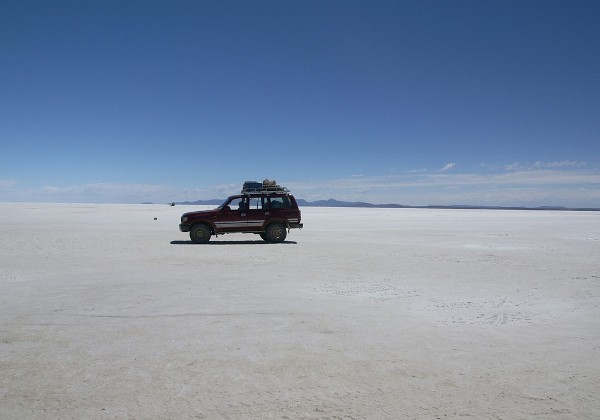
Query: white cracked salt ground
x=365, y=313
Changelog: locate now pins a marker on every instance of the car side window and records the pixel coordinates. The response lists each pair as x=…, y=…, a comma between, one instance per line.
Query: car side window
x=280, y=203
x=256, y=203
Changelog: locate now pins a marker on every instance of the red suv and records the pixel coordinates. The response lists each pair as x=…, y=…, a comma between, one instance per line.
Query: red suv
x=267, y=213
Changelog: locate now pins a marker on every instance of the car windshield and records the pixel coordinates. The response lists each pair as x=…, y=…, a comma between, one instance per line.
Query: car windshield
x=233, y=202
x=222, y=206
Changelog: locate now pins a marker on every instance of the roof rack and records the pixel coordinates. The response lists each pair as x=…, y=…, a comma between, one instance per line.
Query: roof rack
x=265, y=187
x=279, y=190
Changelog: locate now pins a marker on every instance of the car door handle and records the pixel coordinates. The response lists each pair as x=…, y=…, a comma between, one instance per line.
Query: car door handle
x=243, y=214
x=266, y=213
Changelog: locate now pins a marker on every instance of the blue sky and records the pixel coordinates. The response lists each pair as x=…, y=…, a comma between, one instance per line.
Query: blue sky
x=410, y=102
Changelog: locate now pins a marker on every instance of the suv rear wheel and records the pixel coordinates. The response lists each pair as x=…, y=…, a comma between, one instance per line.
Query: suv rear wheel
x=275, y=233
x=200, y=234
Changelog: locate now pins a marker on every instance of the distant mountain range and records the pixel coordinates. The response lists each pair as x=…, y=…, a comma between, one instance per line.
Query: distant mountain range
x=336, y=203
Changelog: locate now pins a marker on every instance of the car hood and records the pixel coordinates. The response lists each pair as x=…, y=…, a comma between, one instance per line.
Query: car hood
x=202, y=212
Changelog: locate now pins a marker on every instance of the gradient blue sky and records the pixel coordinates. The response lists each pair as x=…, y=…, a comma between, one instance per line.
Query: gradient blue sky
x=411, y=102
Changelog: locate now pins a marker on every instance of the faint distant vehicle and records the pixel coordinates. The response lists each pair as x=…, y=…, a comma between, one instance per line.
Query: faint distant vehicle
x=266, y=209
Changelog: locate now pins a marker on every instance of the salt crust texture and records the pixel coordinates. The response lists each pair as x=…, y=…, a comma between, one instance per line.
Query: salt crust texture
x=106, y=312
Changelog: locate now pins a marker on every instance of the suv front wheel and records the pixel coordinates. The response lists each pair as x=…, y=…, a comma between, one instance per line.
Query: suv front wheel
x=200, y=234
x=275, y=233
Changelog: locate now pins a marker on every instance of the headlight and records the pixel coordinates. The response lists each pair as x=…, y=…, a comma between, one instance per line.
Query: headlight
x=183, y=219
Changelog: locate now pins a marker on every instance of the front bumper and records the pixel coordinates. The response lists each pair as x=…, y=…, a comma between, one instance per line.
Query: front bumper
x=184, y=228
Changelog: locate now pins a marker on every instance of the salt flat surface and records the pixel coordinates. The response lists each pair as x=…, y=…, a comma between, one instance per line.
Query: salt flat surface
x=365, y=313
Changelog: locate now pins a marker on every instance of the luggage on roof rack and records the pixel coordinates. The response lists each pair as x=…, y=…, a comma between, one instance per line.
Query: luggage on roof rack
x=267, y=186
x=252, y=186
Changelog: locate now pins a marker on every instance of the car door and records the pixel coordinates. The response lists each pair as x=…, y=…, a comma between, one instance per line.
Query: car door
x=257, y=213
x=234, y=215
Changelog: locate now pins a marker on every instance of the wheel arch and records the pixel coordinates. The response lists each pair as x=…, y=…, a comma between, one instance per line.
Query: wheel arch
x=213, y=230
x=275, y=220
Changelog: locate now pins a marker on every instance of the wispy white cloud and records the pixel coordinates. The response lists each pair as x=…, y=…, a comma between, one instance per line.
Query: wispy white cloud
x=447, y=167
x=566, y=184
x=117, y=193
x=105, y=192
x=517, y=166
x=5, y=183
x=563, y=164
x=226, y=189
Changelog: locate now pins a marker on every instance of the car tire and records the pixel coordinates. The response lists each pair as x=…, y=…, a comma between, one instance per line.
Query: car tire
x=264, y=236
x=275, y=233
x=200, y=234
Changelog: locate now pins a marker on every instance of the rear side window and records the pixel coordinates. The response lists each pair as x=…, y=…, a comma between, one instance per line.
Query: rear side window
x=280, y=203
x=256, y=203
